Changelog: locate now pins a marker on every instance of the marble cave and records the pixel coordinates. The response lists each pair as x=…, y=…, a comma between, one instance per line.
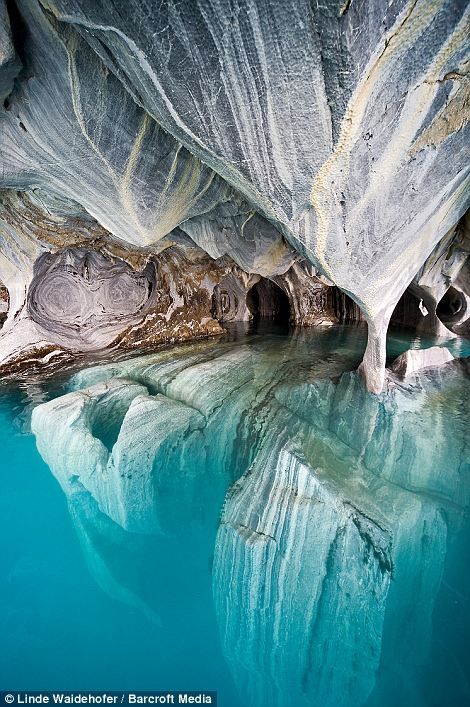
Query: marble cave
x=234, y=352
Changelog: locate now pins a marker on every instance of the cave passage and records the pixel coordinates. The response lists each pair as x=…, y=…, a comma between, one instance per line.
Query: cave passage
x=267, y=302
x=451, y=306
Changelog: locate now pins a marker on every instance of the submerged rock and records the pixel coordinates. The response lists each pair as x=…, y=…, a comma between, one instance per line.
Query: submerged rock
x=389, y=434
x=332, y=506
x=126, y=435
x=313, y=576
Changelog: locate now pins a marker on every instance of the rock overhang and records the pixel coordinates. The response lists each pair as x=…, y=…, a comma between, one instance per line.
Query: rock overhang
x=325, y=138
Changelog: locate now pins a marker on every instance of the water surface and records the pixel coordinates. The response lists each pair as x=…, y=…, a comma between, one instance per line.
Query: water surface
x=261, y=526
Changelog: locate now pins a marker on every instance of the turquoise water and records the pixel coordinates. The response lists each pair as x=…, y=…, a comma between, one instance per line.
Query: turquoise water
x=227, y=517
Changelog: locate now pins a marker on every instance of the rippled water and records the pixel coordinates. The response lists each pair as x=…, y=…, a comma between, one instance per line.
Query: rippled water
x=239, y=515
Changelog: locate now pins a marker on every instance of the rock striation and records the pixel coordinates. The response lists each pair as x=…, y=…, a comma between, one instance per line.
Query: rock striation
x=305, y=574
x=268, y=133
x=73, y=290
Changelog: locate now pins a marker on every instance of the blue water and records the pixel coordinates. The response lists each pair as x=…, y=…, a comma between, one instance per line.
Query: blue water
x=59, y=630
x=86, y=604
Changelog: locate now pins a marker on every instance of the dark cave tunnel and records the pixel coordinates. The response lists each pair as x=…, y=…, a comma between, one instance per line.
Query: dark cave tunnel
x=452, y=305
x=267, y=301
x=451, y=308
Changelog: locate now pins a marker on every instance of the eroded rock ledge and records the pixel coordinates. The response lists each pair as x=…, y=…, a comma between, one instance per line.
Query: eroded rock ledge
x=329, y=149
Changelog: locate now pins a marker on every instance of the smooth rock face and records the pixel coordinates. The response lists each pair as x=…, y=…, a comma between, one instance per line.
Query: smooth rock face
x=265, y=132
x=9, y=61
x=219, y=393
x=308, y=164
x=107, y=153
x=284, y=522
x=121, y=466
x=387, y=433
x=73, y=291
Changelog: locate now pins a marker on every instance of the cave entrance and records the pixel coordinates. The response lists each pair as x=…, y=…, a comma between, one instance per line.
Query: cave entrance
x=407, y=312
x=452, y=306
x=267, y=302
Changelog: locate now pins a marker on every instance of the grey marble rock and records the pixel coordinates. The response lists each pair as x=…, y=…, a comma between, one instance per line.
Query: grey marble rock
x=346, y=125
x=308, y=566
x=386, y=435
x=73, y=287
x=10, y=63
x=415, y=360
x=266, y=130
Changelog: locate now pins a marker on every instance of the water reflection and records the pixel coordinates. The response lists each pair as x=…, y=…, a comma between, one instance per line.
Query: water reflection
x=343, y=514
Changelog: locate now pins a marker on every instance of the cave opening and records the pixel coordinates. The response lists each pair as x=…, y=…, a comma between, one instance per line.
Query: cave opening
x=266, y=301
x=407, y=312
x=4, y=303
x=452, y=305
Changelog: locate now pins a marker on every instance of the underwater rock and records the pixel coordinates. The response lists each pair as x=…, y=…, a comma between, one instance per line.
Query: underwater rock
x=281, y=583
x=313, y=575
x=117, y=574
x=141, y=570
x=387, y=433
x=75, y=434
x=140, y=423
x=132, y=442
x=199, y=411
x=415, y=360
x=336, y=507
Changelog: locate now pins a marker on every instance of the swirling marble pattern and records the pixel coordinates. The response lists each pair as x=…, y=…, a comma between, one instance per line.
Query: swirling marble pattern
x=83, y=295
x=325, y=119
x=9, y=61
x=72, y=288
